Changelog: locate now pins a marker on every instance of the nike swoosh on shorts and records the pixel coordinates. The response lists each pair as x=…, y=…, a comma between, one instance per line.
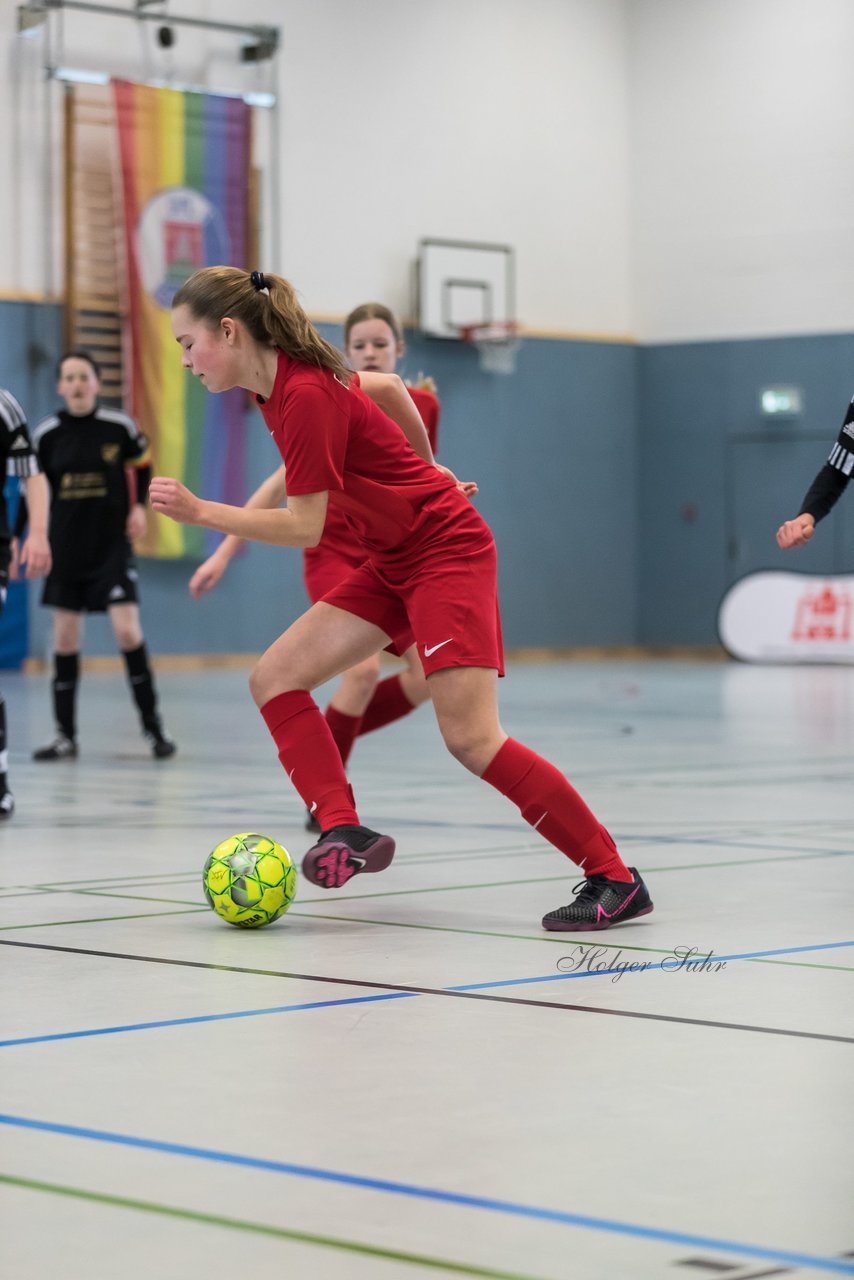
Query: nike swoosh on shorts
x=441, y=645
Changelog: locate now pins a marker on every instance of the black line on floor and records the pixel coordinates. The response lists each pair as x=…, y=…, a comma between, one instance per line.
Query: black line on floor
x=433, y=991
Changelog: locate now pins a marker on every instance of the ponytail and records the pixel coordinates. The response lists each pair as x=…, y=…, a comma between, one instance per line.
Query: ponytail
x=267, y=306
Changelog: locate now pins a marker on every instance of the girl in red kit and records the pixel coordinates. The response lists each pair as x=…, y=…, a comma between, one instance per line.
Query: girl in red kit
x=430, y=575
x=373, y=343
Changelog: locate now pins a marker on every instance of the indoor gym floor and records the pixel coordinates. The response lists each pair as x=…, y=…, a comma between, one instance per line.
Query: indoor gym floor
x=409, y=1077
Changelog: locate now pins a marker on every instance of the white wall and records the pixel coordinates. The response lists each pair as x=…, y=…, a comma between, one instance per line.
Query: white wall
x=742, y=167
x=672, y=169
x=496, y=120
x=471, y=119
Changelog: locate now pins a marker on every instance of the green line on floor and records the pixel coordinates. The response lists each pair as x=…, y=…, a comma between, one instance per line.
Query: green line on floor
x=140, y=915
x=260, y=1228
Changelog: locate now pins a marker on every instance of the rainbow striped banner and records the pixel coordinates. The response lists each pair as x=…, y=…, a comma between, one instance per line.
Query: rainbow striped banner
x=185, y=169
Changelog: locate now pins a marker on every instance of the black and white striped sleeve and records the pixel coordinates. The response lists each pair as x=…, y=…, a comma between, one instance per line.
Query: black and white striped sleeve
x=15, y=444
x=832, y=481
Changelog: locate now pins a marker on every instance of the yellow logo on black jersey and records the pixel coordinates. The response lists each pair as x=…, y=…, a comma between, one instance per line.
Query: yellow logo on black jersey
x=110, y=453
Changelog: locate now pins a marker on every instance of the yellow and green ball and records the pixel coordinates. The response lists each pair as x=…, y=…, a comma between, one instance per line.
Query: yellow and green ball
x=249, y=880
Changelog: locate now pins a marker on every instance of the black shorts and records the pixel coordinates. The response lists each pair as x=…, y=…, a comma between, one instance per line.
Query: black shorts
x=96, y=590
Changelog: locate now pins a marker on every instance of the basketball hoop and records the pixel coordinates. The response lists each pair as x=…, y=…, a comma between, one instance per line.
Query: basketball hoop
x=497, y=343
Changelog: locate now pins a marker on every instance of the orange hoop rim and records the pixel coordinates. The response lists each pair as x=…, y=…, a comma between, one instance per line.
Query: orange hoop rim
x=497, y=331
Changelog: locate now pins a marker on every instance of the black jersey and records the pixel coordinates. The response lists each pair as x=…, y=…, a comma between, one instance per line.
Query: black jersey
x=832, y=481
x=16, y=456
x=85, y=460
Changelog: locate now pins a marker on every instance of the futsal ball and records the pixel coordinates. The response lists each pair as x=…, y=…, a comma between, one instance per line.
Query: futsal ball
x=249, y=880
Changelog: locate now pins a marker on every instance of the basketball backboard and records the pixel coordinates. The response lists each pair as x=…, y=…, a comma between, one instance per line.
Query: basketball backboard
x=463, y=283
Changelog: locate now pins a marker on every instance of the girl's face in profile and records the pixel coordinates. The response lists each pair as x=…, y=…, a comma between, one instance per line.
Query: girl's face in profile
x=207, y=353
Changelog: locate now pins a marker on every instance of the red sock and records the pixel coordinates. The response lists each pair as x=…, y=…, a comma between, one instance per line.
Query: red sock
x=388, y=704
x=555, y=810
x=344, y=729
x=310, y=757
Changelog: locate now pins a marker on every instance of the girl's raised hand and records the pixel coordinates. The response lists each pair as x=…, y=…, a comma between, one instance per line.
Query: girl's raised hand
x=207, y=575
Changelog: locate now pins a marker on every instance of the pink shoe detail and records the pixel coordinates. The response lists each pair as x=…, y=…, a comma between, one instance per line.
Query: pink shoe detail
x=335, y=867
x=612, y=915
x=332, y=862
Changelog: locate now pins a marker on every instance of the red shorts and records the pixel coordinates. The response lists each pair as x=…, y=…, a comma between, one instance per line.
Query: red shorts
x=449, y=606
x=327, y=567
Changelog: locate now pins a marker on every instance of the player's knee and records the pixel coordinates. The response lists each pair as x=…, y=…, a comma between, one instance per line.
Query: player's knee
x=415, y=685
x=66, y=637
x=269, y=677
x=259, y=683
x=361, y=680
x=128, y=638
x=473, y=750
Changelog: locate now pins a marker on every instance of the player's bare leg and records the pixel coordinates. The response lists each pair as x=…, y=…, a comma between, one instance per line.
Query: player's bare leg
x=363, y=703
x=357, y=687
x=413, y=681
x=319, y=646
x=127, y=628
x=67, y=631
x=466, y=706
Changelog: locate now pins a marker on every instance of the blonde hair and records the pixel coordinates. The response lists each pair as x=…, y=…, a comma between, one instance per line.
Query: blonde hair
x=271, y=313
x=372, y=311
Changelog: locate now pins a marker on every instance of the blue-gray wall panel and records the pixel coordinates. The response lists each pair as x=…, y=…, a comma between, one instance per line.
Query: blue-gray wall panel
x=553, y=451
x=698, y=402
x=681, y=533
x=30, y=338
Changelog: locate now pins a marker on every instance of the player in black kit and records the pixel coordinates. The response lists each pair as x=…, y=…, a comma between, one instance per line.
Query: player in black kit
x=17, y=459
x=93, y=458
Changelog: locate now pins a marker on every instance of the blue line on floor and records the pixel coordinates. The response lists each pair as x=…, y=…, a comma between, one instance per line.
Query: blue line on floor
x=652, y=964
x=838, y=1266
x=207, y=1017
x=400, y=995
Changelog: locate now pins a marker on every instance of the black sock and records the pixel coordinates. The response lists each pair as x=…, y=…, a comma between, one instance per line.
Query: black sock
x=142, y=685
x=67, y=668
x=4, y=785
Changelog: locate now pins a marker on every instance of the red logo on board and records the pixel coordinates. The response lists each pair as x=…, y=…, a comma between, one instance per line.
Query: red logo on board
x=823, y=615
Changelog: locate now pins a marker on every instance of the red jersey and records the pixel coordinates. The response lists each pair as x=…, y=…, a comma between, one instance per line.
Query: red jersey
x=427, y=404
x=337, y=534
x=333, y=437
